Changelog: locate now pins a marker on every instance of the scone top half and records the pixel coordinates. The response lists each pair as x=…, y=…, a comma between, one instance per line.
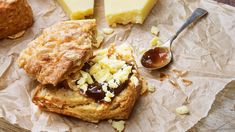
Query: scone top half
x=59, y=51
x=107, y=87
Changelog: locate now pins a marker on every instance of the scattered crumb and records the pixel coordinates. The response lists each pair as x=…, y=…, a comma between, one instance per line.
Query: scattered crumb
x=154, y=42
x=17, y=35
x=110, y=121
x=174, y=83
x=108, y=31
x=187, y=82
x=163, y=76
x=151, y=88
x=179, y=73
x=117, y=125
x=155, y=30
x=144, y=88
x=182, y=110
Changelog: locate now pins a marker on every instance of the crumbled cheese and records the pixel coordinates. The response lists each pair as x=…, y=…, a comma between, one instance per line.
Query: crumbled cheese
x=105, y=87
x=84, y=87
x=107, y=99
x=108, y=31
x=112, y=64
x=95, y=68
x=125, y=50
x=113, y=84
x=118, y=125
x=122, y=74
x=182, y=110
x=102, y=75
x=97, y=58
x=99, y=39
x=109, y=94
x=81, y=81
x=154, y=41
x=102, y=52
x=87, y=76
x=151, y=88
x=134, y=80
x=155, y=30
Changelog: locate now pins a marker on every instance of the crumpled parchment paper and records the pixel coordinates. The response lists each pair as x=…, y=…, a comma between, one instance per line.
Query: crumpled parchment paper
x=206, y=50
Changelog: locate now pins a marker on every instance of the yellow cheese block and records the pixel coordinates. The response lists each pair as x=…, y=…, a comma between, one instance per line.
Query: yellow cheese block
x=78, y=9
x=127, y=11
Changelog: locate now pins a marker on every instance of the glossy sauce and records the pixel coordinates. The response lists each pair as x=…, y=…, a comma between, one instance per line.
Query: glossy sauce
x=95, y=90
x=155, y=58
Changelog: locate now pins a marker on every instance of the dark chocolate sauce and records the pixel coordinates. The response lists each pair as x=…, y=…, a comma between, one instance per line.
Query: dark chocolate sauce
x=154, y=58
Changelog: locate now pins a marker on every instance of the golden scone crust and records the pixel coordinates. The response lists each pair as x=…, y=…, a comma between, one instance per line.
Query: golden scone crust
x=60, y=50
x=15, y=16
x=68, y=102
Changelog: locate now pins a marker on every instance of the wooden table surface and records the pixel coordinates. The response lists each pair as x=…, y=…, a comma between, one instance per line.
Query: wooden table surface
x=221, y=117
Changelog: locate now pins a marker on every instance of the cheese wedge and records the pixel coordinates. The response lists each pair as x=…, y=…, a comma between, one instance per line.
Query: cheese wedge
x=77, y=9
x=127, y=11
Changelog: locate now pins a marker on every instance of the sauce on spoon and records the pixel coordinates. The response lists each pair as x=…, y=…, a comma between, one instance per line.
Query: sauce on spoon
x=156, y=57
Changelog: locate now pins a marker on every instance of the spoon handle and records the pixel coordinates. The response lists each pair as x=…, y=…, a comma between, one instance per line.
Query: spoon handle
x=197, y=14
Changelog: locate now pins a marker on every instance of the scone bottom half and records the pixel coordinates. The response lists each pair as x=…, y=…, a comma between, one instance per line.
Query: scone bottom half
x=60, y=50
x=91, y=94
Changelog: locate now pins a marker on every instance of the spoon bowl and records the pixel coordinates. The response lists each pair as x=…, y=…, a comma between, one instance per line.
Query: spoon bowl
x=159, y=57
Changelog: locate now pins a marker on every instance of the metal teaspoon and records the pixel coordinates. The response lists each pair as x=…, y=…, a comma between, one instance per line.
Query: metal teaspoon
x=159, y=57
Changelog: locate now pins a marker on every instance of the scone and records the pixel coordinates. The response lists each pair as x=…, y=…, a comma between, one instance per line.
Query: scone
x=59, y=51
x=15, y=16
x=107, y=87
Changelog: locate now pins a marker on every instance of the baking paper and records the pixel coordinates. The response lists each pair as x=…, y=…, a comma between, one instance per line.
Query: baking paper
x=206, y=50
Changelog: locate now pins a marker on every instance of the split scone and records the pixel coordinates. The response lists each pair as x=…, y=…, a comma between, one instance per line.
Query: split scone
x=59, y=51
x=106, y=87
